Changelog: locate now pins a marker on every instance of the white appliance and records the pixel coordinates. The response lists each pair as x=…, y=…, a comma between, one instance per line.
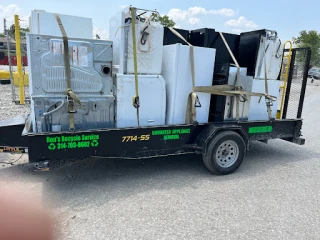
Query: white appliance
x=258, y=111
x=42, y=22
x=246, y=83
x=176, y=70
x=273, y=54
x=149, y=43
x=152, y=93
x=91, y=81
x=90, y=65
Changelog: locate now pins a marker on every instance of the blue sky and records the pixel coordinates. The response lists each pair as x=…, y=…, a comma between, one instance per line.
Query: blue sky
x=288, y=18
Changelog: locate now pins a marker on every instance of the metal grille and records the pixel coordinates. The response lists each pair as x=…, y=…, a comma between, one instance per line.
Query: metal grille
x=297, y=81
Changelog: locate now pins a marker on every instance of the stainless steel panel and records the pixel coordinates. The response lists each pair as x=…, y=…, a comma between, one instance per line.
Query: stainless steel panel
x=94, y=113
x=90, y=62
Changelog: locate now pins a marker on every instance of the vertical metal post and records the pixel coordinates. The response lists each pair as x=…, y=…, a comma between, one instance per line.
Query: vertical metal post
x=10, y=68
x=307, y=51
x=19, y=62
x=287, y=98
x=286, y=75
x=4, y=26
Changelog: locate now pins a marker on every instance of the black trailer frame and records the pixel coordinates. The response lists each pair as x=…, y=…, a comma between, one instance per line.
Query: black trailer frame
x=146, y=142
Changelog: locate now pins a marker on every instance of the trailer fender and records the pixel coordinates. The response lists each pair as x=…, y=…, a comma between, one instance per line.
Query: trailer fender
x=210, y=131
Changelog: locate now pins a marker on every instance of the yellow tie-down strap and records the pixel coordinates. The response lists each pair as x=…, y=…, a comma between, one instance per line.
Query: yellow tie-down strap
x=69, y=92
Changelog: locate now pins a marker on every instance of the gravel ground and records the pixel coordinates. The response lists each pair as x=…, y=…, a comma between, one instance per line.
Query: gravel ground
x=274, y=195
x=7, y=107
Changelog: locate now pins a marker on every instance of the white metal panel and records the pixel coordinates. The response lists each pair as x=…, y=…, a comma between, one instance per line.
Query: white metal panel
x=277, y=56
x=258, y=111
x=149, y=55
x=87, y=59
x=246, y=84
x=45, y=23
x=273, y=56
x=149, y=60
x=152, y=93
x=176, y=70
x=93, y=113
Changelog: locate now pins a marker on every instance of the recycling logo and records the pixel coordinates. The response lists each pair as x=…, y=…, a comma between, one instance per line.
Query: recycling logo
x=52, y=146
x=94, y=143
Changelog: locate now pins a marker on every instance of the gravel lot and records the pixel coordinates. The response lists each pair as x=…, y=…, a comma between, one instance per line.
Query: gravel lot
x=7, y=107
x=274, y=195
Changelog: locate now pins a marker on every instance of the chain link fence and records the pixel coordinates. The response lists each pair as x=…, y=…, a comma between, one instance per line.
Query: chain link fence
x=9, y=62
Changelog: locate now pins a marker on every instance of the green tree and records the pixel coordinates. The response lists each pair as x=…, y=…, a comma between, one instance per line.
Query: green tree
x=164, y=20
x=310, y=39
x=23, y=31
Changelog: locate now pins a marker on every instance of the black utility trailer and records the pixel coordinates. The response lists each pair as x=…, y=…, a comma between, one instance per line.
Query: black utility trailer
x=222, y=145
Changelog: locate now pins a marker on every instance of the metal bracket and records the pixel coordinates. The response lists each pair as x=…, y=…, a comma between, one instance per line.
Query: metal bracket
x=197, y=103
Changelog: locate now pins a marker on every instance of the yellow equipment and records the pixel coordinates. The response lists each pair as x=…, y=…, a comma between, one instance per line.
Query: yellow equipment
x=285, y=75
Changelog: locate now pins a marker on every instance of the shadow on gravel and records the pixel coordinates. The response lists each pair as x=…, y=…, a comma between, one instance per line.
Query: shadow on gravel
x=97, y=181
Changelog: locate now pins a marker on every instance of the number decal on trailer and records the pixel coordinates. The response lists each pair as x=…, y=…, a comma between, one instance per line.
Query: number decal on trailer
x=136, y=138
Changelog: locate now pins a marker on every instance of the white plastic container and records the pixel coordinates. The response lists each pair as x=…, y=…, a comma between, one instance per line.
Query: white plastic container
x=42, y=22
x=176, y=70
x=149, y=54
x=258, y=111
x=152, y=93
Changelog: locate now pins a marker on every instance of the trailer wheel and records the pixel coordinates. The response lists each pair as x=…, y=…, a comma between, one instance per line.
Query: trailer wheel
x=224, y=153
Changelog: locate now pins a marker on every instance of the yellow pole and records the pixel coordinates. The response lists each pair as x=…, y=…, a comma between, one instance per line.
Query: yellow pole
x=285, y=80
x=18, y=51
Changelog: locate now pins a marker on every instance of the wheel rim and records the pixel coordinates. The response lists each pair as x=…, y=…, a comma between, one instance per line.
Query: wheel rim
x=227, y=154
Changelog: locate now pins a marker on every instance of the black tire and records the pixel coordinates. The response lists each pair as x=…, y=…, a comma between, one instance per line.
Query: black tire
x=221, y=141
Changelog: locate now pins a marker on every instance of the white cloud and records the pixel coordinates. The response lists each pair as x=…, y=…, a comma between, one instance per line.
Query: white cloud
x=240, y=23
x=8, y=12
x=103, y=33
x=194, y=21
x=177, y=14
x=224, y=12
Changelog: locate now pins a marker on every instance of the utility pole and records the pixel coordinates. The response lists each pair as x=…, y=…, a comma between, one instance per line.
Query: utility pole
x=4, y=26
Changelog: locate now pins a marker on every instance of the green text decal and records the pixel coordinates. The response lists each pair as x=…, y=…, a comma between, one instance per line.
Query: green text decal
x=263, y=129
x=171, y=134
x=74, y=141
